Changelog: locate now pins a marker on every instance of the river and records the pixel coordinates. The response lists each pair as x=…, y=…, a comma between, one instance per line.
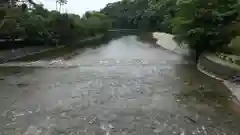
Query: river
x=124, y=87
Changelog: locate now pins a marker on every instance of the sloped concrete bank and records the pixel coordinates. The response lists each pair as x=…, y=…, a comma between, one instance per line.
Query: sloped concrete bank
x=167, y=42
x=219, y=68
x=212, y=66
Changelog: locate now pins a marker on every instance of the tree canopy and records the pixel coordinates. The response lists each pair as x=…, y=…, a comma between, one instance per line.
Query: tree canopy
x=210, y=26
x=38, y=24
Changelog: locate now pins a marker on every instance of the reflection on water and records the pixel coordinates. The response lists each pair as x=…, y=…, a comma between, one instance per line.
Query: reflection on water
x=123, y=87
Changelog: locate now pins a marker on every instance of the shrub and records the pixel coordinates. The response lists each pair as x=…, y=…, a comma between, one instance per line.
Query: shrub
x=235, y=45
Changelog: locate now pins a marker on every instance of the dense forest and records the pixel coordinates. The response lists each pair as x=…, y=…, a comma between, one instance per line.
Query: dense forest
x=206, y=25
x=32, y=22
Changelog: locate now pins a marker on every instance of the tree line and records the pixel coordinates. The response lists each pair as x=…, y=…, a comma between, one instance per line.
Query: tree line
x=205, y=25
x=33, y=23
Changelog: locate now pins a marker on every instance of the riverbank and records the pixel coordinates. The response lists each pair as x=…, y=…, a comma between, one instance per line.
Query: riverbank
x=220, y=68
x=207, y=64
x=15, y=54
x=166, y=41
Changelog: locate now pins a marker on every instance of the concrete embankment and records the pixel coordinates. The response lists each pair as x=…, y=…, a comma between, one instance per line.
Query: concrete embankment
x=167, y=42
x=219, y=69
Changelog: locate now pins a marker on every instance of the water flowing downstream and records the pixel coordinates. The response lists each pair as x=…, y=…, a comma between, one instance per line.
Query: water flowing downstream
x=124, y=87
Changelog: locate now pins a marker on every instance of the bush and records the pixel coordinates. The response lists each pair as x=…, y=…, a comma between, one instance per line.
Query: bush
x=235, y=45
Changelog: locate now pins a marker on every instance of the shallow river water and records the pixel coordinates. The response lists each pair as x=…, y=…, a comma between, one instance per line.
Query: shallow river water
x=124, y=87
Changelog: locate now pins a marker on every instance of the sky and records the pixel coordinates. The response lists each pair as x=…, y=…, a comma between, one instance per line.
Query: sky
x=77, y=6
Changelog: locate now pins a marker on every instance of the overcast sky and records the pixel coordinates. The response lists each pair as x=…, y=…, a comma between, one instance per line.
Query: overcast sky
x=77, y=6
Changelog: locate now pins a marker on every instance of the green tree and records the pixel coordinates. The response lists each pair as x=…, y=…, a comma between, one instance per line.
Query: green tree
x=10, y=24
x=35, y=28
x=61, y=3
x=37, y=24
x=206, y=27
x=9, y=29
x=149, y=15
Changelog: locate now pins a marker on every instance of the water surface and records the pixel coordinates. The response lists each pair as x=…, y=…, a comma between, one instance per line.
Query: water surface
x=124, y=87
